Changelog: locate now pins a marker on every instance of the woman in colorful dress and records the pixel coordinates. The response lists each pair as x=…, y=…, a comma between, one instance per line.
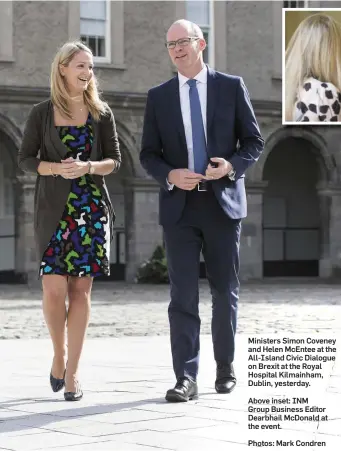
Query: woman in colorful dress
x=70, y=142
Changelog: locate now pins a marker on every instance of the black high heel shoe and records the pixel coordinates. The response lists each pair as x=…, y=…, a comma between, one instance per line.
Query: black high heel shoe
x=56, y=383
x=74, y=396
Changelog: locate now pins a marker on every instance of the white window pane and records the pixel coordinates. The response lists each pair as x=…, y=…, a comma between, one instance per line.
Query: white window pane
x=96, y=44
x=93, y=10
x=198, y=12
x=92, y=27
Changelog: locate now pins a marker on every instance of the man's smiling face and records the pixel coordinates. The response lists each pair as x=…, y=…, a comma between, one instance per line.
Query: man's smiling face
x=184, y=57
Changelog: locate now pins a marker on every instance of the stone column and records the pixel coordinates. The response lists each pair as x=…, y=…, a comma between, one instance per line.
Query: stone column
x=26, y=262
x=330, y=262
x=251, y=246
x=142, y=222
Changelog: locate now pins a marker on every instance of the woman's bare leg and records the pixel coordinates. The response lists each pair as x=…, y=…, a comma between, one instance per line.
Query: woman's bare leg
x=79, y=294
x=54, y=308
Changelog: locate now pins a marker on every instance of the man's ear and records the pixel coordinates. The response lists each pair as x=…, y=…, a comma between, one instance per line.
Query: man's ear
x=202, y=44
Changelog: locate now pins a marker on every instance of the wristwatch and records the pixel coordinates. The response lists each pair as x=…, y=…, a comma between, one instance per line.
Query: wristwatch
x=232, y=174
x=91, y=169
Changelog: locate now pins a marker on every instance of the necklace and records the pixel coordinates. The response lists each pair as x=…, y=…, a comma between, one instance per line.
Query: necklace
x=80, y=98
x=79, y=110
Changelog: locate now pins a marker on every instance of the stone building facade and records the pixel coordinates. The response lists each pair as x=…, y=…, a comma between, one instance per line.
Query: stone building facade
x=294, y=191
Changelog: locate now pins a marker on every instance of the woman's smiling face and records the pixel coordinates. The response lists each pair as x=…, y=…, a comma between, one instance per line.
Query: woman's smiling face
x=78, y=73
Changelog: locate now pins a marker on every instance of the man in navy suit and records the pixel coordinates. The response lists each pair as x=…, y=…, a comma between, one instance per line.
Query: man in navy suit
x=200, y=135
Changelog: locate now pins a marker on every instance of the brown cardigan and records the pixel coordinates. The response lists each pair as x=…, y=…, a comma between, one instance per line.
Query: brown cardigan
x=51, y=193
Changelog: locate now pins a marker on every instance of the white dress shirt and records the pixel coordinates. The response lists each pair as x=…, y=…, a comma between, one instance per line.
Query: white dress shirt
x=201, y=78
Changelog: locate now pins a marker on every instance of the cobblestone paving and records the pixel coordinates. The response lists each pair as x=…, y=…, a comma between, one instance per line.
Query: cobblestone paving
x=120, y=309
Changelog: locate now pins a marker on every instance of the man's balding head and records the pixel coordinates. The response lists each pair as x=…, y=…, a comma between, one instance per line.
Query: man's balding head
x=191, y=28
x=187, y=48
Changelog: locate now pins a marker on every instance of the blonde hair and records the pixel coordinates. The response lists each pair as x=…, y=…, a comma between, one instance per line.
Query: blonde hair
x=313, y=51
x=59, y=94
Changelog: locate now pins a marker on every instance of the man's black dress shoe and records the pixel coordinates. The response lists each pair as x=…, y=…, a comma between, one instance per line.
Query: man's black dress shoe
x=185, y=390
x=57, y=384
x=226, y=379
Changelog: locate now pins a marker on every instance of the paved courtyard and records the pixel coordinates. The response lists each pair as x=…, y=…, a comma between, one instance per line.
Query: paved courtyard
x=120, y=309
x=126, y=370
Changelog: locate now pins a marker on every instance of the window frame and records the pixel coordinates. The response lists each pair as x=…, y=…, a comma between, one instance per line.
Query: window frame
x=107, y=36
x=6, y=32
x=305, y=4
x=209, y=29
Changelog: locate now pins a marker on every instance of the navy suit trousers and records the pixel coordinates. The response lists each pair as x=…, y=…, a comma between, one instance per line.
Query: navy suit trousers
x=204, y=227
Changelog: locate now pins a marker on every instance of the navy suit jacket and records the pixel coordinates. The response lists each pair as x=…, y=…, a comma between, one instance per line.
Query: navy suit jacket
x=232, y=133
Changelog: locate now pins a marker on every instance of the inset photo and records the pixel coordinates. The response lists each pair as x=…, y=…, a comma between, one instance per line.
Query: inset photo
x=312, y=66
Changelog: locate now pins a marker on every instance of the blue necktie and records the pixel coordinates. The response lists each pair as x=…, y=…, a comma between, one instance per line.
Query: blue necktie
x=198, y=132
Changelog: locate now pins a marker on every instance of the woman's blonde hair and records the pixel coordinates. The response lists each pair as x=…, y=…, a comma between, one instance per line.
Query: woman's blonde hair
x=59, y=94
x=313, y=51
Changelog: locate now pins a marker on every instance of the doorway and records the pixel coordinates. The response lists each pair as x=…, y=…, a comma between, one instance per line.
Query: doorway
x=291, y=213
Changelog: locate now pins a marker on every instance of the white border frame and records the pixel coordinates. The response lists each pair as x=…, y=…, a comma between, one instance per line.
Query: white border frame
x=284, y=122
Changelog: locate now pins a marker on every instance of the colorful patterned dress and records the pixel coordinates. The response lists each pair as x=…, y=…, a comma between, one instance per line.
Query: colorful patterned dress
x=80, y=245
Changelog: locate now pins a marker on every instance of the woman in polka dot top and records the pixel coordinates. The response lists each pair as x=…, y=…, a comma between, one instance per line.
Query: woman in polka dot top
x=313, y=71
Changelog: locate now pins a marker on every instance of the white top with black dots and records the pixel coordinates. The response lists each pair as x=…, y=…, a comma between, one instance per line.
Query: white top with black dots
x=317, y=102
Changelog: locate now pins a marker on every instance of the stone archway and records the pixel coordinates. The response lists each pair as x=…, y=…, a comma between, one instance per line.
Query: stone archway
x=322, y=190
x=327, y=195
x=327, y=167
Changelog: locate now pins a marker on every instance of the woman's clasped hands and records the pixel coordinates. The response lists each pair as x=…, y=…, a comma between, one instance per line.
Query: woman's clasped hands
x=72, y=169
